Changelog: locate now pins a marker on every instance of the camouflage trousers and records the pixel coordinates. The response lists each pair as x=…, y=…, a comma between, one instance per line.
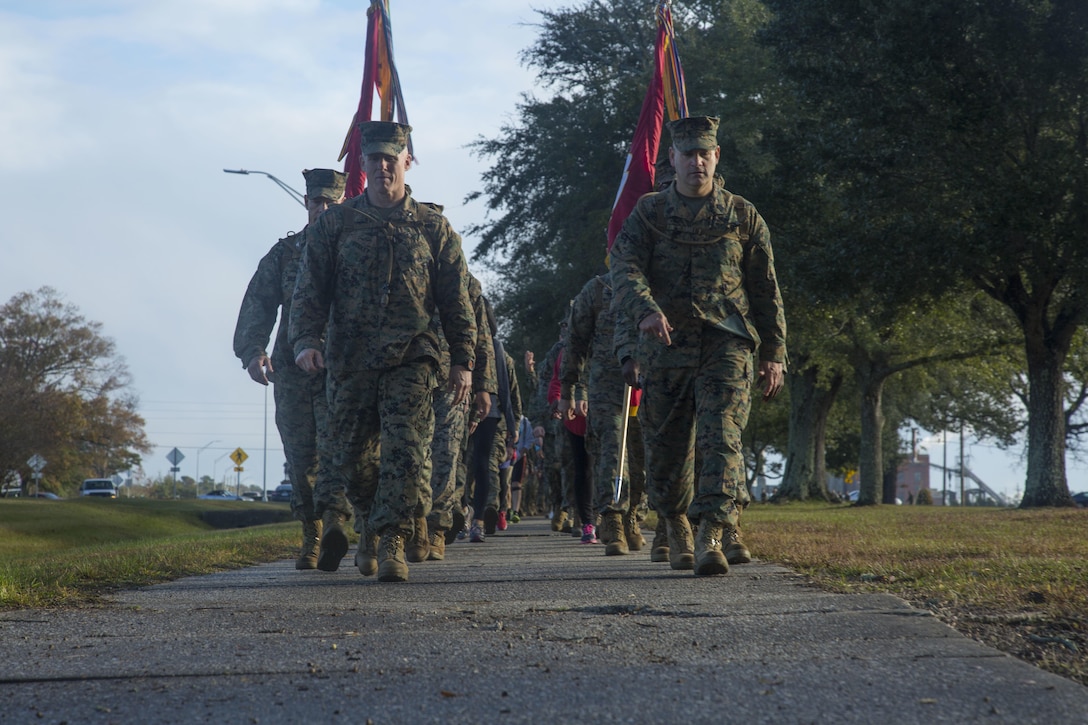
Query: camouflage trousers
x=446, y=450
x=380, y=427
x=603, y=440
x=301, y=418
x=551, y=482
x=702, y=408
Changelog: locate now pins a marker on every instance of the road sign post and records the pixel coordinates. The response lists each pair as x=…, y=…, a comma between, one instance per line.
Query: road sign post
x=175, y=457
x=239, y=457
x=36, y=463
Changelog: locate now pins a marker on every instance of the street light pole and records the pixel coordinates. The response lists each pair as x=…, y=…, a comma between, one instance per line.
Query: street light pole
x=216, y=464
x=291, y=192
x=198, y=464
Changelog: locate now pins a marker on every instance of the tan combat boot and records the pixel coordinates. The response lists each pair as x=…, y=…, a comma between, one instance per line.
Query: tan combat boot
x=334, y=541
x=437, y=545
x=633, y=532
x=311, y=543
x=366, y=557
x=709, y=559
x=735, y=550
x=392, y=566
x=418, y=547
x=659, y=549
x=612, y=534
x=681, y=543
x=559, y=520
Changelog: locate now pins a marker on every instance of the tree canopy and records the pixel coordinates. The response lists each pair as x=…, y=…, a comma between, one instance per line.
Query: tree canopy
x=64, y=392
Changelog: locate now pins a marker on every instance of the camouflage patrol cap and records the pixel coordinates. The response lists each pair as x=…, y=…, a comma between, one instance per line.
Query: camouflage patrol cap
x=694, y=132
x=383, y=137
x=326, y=183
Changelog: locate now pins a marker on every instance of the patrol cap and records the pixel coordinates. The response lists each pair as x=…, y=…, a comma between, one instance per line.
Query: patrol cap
x=327, y=183
x=694, y=132
x=383, y=137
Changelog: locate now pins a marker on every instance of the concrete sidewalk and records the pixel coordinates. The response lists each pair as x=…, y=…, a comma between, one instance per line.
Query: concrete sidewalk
x=529, y=627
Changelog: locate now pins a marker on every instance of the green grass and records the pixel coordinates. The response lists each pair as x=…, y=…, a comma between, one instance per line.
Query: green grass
x=67, y=553
x=1017, y=580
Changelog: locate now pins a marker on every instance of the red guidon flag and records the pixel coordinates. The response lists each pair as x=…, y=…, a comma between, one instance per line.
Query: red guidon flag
x=380, y=80
x=666, y=90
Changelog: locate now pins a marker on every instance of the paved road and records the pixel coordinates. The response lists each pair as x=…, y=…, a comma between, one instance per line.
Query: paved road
x=530, y=627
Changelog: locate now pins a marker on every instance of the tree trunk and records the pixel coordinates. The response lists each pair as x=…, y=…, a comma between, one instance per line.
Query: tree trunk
x=806, y=473
x=801, y=448
x=871, y=465
x=824, y=402
x=1046, y=484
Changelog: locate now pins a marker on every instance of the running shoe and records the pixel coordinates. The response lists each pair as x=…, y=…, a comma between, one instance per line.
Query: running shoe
x=515, y=517
x=500, y=524
x=476, y=535
x=589, y=534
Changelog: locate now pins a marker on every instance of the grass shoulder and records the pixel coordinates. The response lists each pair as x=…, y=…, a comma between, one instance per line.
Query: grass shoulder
x=70, y=553
x=1014, y=579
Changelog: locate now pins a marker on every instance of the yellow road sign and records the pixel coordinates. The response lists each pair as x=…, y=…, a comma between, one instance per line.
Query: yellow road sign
x=238, y=456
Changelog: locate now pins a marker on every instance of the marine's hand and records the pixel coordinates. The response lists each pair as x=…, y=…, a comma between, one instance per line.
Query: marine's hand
x=657, y=327
x=460, y=383
x=630, y=373
x=483, y=404
x=581, y=408
x=530, y=363
x=310, y=360
x=260, y=369
x=770, y=378
x=565, y=409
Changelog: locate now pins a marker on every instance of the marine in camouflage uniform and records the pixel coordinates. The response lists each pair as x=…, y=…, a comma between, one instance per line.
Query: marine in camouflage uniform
x=301, y=406
x=693, y=266
x=540, y=413
x=451, y=429
x=377, y=268
x=590, y=337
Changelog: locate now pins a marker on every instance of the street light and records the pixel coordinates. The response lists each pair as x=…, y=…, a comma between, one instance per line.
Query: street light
x=216, y=464
x=291, y=192
x=198, y=465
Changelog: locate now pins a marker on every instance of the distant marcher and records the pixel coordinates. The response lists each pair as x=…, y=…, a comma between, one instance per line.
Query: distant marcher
x=301, y=406
x=589, y=354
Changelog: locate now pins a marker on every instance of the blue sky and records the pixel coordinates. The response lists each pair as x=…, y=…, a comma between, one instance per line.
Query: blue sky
x=119, y=119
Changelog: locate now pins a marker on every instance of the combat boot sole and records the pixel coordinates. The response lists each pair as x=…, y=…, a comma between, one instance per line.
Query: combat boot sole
x=711, y=563
x=334, y=545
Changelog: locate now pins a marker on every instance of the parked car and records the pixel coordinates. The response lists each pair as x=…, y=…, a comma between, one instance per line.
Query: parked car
x=281, y=494
x=252, y=496
x=47, y=495
x=219, y=495
x=1081, y=499
x=101, y=487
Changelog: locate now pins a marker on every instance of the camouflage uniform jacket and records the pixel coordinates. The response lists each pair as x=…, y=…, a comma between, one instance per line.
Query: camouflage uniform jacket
x=378, y=279
x=484, y=377
x=269, y=289
x=590, y=336
x=699, y=270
